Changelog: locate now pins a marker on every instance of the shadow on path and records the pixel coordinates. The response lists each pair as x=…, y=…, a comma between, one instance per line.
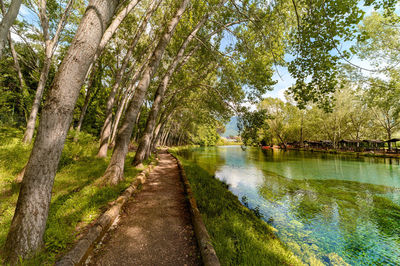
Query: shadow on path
x=155, y=226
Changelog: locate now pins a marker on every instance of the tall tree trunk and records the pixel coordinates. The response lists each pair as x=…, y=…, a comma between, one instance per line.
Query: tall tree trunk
x=115, y=169
x=117, y=118
x=84, y=107
x=17, y=66
x=157, y=134
x=165, y=138
x=106, y=129
x=7, y=21
x=161, y=138
x=86, y=103
x=30, y=127
x=29, y=222
x=145, y=141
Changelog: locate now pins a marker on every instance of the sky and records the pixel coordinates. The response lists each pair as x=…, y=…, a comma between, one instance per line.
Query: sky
x=284, y=80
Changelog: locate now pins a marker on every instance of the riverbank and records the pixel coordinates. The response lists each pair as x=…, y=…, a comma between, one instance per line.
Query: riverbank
x=327, y=208
x=76, y=200
x=239, y=236
x=352, y=153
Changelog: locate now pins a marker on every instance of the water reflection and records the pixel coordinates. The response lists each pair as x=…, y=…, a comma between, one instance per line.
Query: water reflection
x=329, y=208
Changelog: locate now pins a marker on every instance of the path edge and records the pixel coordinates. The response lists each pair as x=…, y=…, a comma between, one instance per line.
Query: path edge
x=82, y=249
x=207, y=251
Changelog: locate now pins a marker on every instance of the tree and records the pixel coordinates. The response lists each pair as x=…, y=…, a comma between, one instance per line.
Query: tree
x=283, y=120
x=26, y=231
x=379, y=41
x=249, y=125
x=181, y=59
x=115, y=169
x=383, y=98
x=321, y=27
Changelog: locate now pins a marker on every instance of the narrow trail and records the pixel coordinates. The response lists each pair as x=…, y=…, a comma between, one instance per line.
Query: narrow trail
x=155, y=227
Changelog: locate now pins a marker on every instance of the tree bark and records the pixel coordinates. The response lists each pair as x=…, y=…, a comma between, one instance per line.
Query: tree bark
x=115, y=169
x=145, y=141
x=29, y=222
x=106, y=129
x=7, y=21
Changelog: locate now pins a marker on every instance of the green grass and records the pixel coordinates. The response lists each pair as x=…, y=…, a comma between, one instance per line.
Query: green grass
x=76, y=200
x=238, y=235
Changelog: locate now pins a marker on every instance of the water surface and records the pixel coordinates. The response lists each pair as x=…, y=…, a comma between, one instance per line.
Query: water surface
x=326, y=207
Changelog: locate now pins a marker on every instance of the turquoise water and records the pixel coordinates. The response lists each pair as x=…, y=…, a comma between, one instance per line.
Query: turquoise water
x=327, y=208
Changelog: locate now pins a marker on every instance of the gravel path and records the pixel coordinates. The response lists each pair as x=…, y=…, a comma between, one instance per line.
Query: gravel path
x=155, y=226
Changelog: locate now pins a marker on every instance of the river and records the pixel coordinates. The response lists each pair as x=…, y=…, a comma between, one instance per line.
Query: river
x=327, y=207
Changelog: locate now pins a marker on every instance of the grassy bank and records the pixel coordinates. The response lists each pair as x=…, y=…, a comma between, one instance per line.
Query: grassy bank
x=353, y=153
x=223, y=142
x=238, y=235
x=76, y=201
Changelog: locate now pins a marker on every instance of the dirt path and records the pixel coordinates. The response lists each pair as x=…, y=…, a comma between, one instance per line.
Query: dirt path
x=155, y=226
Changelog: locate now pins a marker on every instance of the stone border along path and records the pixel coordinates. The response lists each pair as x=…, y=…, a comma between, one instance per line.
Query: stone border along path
x=82, y=249
x=207, y=250
x=155, y=227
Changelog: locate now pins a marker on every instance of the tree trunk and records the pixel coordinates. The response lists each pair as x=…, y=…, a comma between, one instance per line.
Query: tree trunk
x=180, y=138
x=7, y=21
x=117, y=118
x=88, y=95
x=21, y=80
x=30, y=127
x=157, y=134
x=145, y=141
x=106, y=129
x=17, y=66
x=115, y=169
x=165, y=138
x=29, y=222
x=84, y=107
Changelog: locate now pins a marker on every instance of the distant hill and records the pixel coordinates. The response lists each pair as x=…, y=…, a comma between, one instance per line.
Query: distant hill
x=231, y=128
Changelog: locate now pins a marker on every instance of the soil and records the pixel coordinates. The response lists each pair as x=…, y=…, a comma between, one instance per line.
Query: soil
x=155, y=226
